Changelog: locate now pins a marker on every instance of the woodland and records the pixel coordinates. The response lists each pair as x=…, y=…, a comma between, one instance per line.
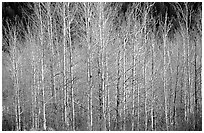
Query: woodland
x=102, y=66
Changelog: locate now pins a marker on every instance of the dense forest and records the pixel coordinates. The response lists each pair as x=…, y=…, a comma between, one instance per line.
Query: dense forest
x=102, y=66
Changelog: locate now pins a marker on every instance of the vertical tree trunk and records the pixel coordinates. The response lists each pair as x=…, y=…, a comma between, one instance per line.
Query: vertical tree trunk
x=35, y=95
x=107, y=94
x=23, y=97
x=133, y=85
x=60, y=71
x=34, y=87
x=42, y=67
x=64, y=65
x=124, y=84
x=171, y=76
x=144, y=70
x=14, y=58
x=18, y=94
x=164, y=72
x=152, y=89
x=17, y=102
x=43, y=89
x=38, y=93
x=89, y=58
x=195, y=91
x=101, y=67
x=71, y=73
x=187, y=63
x=175, y=90
x=52, y=68
x=118, y=93
x=106, y=89
x=138, y=101
x=50, y=42
x=72, y=90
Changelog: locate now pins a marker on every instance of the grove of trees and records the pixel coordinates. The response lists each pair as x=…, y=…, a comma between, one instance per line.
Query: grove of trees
x=103, y=66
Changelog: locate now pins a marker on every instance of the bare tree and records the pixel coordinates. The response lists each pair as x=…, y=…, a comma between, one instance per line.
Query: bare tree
x=42, y=64
x=166, y=28
x=14, y=71
x=118, y=101
x=70, y=18
x=101, y=66
x=64, y=7
x=105, y=66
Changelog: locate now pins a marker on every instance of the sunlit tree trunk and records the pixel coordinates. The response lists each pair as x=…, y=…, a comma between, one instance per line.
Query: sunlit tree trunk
x=19, y=92
x=64, y=6
x=144, y=68
x=134, y=55
x=38, y=92
x=124, y=95
x=118, y=93
x=107, y=94
x=50, y=42
x=34, y=86
x=171, y=77
x=101, y=67
x=175, y=90
x=138, y=99
x=195, y=89
x=59, y=73
x=42, y=67
x=135, y=87
x=16, y=90
x=14, y=59
x=166, y=29
x=70, y=18
x=152, y=86
x=187, y=19
x=106, y=87
x=88, y=16
x=22, y=96
x=185, y=36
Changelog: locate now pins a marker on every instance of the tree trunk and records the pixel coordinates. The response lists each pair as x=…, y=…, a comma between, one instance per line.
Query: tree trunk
x=50, y=42
x=133, y=85
x=124, y=85
x=71, y=73
x=138, y=101
x=195, y=91
x=107, y=95
x=64, y=65
x=152, y=89
x=118, y=94
x=144, y=69
x=89, y=58
x=101, y=68
x=14, y=58
x=187, y=63
x=164, y=72
x=42, y=64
